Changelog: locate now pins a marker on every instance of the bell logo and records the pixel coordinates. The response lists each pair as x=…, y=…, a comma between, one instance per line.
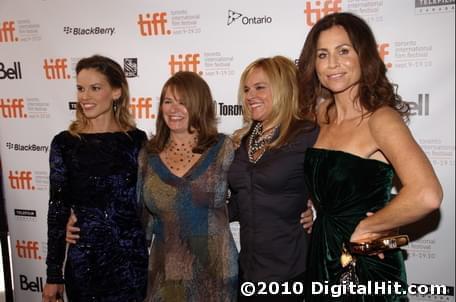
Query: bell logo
x=141, y=108
x=313, y=14
x=383, y=52
x=7, y=31
x=34, y=285
x=187, y=62
x=13, y=73
x=20, y=180
x=27, y=249
x=56, y=69
x=420, y=108
x=153, y=24
x=12, y=108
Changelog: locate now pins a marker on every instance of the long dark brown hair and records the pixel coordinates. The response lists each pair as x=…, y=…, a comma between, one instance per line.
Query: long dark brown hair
x=375, y=90
x=116, y=79
x=196, y=96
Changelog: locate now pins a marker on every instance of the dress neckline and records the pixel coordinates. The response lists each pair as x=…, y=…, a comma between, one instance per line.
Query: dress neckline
x=351, y=155
x=197, y=167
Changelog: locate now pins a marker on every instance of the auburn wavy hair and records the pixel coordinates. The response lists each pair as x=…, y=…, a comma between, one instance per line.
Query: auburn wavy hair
x=195, y=95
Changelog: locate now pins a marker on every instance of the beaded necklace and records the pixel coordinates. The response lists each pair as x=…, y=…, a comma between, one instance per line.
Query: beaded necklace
x=179, y=156
x=258, y=141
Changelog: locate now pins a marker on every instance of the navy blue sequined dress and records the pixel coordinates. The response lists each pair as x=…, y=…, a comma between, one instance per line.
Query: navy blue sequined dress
x=95, y=175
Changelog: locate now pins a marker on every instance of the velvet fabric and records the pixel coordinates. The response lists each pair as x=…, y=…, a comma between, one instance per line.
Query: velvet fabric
x=344, y=187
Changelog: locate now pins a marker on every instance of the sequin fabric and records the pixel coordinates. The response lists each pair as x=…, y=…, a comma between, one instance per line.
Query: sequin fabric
x=193, y=255
x=95, y=175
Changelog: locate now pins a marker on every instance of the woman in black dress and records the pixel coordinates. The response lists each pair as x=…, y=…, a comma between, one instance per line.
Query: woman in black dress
x=93, y=171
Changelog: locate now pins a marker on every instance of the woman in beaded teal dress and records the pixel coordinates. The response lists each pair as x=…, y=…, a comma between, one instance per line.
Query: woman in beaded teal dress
x=182, y=183
x=363, y=142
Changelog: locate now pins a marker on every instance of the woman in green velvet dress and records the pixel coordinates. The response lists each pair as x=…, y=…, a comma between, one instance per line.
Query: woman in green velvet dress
x=363, y=141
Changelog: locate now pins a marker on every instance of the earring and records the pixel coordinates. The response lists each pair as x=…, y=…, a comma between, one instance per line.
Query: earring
x=114, y=105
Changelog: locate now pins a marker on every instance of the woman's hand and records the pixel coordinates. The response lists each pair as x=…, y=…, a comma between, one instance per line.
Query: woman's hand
x=53, y=293
x=72, y=231
x=361, y=235
x=307, y=217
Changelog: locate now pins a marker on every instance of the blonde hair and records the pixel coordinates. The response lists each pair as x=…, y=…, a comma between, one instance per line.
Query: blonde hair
x=116, y=79
x=282, y=75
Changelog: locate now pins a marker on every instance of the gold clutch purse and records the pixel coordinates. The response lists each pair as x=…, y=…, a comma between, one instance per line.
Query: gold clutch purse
x=378, y=245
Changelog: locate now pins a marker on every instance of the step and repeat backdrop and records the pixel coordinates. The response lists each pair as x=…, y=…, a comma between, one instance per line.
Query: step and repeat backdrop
x=41, y=41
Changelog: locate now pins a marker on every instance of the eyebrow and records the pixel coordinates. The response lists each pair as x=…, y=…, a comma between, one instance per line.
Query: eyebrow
x=337, y=47
x=258, y=83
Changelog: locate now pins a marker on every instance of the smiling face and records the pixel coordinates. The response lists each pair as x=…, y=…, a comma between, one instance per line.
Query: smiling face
x=337, y=63
x=175, y=114
x=95, y=95
x=258, y=95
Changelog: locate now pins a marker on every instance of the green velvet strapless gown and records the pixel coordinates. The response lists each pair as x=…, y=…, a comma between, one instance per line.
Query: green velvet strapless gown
x=344, y=187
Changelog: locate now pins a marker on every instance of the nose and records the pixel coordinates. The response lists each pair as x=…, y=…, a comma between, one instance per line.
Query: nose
x=250, y=93
x=83, y=95
x=333, y=60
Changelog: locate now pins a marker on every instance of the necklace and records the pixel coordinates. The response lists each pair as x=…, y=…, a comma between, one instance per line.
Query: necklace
x=258, y=142
x=179, y=156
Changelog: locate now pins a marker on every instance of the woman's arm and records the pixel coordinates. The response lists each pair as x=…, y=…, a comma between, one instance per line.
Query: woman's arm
x=146, y=218
x=421, y=192
x=58, y=214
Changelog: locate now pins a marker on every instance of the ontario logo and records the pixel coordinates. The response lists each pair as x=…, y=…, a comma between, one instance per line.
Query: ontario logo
x=233, y=16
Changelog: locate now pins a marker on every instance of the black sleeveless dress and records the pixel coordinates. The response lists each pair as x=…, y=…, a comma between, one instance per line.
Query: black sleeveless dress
x=344, y=187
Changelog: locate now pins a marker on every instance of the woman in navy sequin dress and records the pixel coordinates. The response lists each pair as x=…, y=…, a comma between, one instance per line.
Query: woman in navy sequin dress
x=93, y=171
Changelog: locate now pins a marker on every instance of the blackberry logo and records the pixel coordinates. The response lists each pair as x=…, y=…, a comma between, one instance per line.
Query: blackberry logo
x=29, y=147
x=232, y=16
x=131, y=67
x=89, y=31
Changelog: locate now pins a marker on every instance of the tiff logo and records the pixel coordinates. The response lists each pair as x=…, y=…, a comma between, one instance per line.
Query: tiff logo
x=27, y=249
x=12, y=108
x=34, y=285
x=131, y=67
x=329, y=7
x=141, y=107
x=56, y=69
x=20, y=180
x=7, y=31
x=187, y=62
x=12, y=73
x=154, y=25
x=383, y=52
